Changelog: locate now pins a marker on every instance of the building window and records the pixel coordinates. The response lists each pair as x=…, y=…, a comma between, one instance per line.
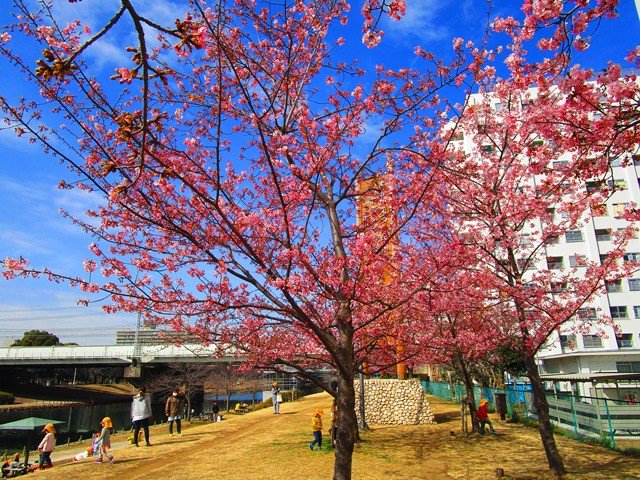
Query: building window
x=603, y=234
x=620, y=184
x=599, y=210
x=636, y=160
x=618, y=209
x=577, y=261
x=457, y=136
x=524, y=264
x=551, y=212
x=625, y=340
x=567, y=342
x=552, y=241
x=498, y=107
x=525, y=240
x=603, y=258
x=618, y=312
x=593, y=186
x=592, y=341
x=574, y=236
x=634, y=234
x=557, y=287
x=636, y=311
x=487, y=148
x=616, y=162
x=560, y=163
x=634, y=284
x=587, y=314
x=554, y=263
x=617, y=185
x=631, y=257
x=628, y=367
x=614, y=286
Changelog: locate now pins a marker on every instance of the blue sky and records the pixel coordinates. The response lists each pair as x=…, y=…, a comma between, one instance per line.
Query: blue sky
x=30, y=225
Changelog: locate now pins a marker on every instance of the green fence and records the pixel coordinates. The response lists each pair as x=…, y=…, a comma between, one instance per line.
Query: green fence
x=594, y=417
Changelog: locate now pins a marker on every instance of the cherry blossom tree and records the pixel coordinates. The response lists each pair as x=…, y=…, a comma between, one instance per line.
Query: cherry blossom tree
x=459, y=327
x=229, y=153
x=517, y=186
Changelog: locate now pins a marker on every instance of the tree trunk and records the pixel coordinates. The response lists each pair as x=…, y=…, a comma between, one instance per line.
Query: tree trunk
x=228, y=401
x=471, y=396
x=188, y=408
x=544, y=423
x=347, y=426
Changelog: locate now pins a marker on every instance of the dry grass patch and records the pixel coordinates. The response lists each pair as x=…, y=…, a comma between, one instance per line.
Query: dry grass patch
x=261, y=445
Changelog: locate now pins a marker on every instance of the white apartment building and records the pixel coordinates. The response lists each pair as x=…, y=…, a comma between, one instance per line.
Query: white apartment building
x=584, y=354
x=573, y=359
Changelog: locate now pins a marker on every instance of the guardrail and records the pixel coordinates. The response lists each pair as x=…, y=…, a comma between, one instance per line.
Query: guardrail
x=590, y=416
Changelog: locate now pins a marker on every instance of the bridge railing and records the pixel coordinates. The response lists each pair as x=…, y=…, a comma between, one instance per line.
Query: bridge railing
x=72, y=352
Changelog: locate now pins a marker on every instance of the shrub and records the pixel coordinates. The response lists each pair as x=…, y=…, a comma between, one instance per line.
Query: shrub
x=6, y=398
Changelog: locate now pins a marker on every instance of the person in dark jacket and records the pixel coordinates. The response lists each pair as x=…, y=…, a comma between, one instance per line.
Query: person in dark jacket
x=215, y=410
x=173, y=409
x=483, y=417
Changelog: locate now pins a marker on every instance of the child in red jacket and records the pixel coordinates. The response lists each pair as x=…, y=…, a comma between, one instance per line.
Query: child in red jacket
x=483, y=417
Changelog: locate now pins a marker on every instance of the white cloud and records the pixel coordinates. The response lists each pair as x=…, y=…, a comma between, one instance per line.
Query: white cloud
x=22, y=190
x=76, y=201
x=421, y=21
x=9, y=139
x=104, y=53
x=23, y=244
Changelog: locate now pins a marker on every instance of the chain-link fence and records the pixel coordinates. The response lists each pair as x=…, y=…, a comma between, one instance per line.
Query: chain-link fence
x=604, y=418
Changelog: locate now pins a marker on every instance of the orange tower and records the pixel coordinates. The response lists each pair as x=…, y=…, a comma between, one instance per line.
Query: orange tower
x=371, y=208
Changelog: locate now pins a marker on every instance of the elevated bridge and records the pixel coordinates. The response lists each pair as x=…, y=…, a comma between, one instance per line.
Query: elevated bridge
x=112, y=355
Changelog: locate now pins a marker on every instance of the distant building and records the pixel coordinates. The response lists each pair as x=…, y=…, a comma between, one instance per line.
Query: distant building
x=153, y=336
x=612, y=350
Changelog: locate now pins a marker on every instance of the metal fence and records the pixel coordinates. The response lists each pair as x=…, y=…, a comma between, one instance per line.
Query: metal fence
x=590, y=416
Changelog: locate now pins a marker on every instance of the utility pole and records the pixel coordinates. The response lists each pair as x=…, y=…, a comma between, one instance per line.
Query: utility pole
x=137, y=346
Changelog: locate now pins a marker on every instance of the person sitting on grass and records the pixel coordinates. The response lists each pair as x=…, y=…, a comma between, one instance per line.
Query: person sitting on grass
x=7, y=466
x=483, y=417
x=105, y=440
x=316, y=423
x=88, y=452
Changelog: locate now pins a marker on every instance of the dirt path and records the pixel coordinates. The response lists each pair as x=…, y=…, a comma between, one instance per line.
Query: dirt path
x=261, y=445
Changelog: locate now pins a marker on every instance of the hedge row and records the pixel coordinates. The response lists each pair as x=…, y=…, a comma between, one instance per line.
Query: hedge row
x=6, y=398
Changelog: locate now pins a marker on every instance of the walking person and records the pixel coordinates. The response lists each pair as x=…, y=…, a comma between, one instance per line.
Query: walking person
x=47, y=446
x=173, y=409
x=105, y=440
x=275, y=397
x=316, y=423
x=483, y=417
x=140, y=414
x=215, y=410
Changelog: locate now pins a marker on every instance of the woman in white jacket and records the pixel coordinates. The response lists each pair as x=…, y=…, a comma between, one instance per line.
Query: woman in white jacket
x=140, y=414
